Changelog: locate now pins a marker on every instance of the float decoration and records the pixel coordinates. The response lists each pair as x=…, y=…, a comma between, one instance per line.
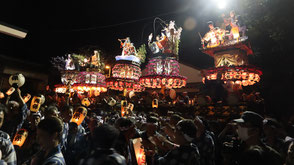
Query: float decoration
x=81, y=73
x=127, y=71
x=163, y=69
x=230, y=50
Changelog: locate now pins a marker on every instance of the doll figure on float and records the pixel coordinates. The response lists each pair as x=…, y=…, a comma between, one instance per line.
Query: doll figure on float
x=214, y=37
x=69, y=63
x=167, y=42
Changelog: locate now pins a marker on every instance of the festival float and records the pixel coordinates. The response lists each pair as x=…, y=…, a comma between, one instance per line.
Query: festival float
x=126, y=72
x=230, y=50
x=81, y=73
x=163, y=68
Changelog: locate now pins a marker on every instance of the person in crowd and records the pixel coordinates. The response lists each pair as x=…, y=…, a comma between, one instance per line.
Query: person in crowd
x=104, y=153
x=16, y=114
x=66, y=115
x=8, y=154
x=205, y=143
x=49, y=134
x=186, y=153
x=271, y=131
x=250, y=131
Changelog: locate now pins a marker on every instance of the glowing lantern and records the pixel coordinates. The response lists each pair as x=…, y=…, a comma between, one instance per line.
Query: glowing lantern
x=35, y=104
x=79, y=115
x=131, y=106
x=20, y=137
x=245, y=75
x=237, y=75
x=251, y=76
x=213, y=76
x=27, y=98
x=1, y=95
x=235, y=31
x=238, y=82
x=10, y=91
x=124, y=105
x=96, y=93
x=86, y=102
x=16, y=80
x=245, y=83
x=139, y=151
x=155, y=103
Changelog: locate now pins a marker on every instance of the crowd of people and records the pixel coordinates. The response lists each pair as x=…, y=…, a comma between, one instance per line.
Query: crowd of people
x=175, y=133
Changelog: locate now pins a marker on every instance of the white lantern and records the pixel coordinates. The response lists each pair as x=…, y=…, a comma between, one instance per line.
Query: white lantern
x=17, y=80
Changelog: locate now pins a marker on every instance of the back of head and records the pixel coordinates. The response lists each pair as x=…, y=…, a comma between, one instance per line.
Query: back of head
x=51, y=125
x=105, y=136
x=187, y=127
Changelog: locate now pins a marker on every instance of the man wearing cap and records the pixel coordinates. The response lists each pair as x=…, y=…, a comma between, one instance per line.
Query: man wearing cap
x=187, y=153
x=249, y=132
x=272, y=137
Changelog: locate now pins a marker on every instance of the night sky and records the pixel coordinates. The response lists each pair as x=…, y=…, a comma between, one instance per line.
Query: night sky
x=60, y=27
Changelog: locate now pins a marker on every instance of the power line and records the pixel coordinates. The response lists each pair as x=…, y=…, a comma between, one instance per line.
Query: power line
x=118, y=24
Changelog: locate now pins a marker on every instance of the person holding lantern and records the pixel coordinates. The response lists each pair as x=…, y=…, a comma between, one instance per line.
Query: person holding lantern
x=187, y=153
x=16, y=115
x=8, y=154
x=49, y=133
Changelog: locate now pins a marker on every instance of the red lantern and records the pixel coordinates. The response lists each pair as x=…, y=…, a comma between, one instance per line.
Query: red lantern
x=20, y=137
x=79, y=115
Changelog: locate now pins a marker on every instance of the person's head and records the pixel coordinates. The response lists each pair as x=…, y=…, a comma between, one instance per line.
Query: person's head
x=105, y=136
x=185, y=132
x=126, y=127
x=152, y=124
x=94, y=123
x=51, y=111
x=270, y=126
x=49, y=132
x=290, y=154
x=199, y=124
x=3, y=110
x=35, y=119
x=67, y=113
x=249, y=126
x=232, y=13
x=73, y=128
x=174, y=119
x=13, y=107
x=210, y=25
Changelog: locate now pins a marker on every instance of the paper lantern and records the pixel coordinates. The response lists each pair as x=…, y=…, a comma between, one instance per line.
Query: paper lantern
x=43, y=99
x=35, y=104
x=131, y=94
x=2, y=95
x=124, y=105
x=79, y=115
x=27, y=98
x=20, y=137
x=139, y=151
x=172, y=94
x=10, y=91
x=86, y=102
x=112, y=102
x=155, y=103
x=16, y=80
x=131, y=106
